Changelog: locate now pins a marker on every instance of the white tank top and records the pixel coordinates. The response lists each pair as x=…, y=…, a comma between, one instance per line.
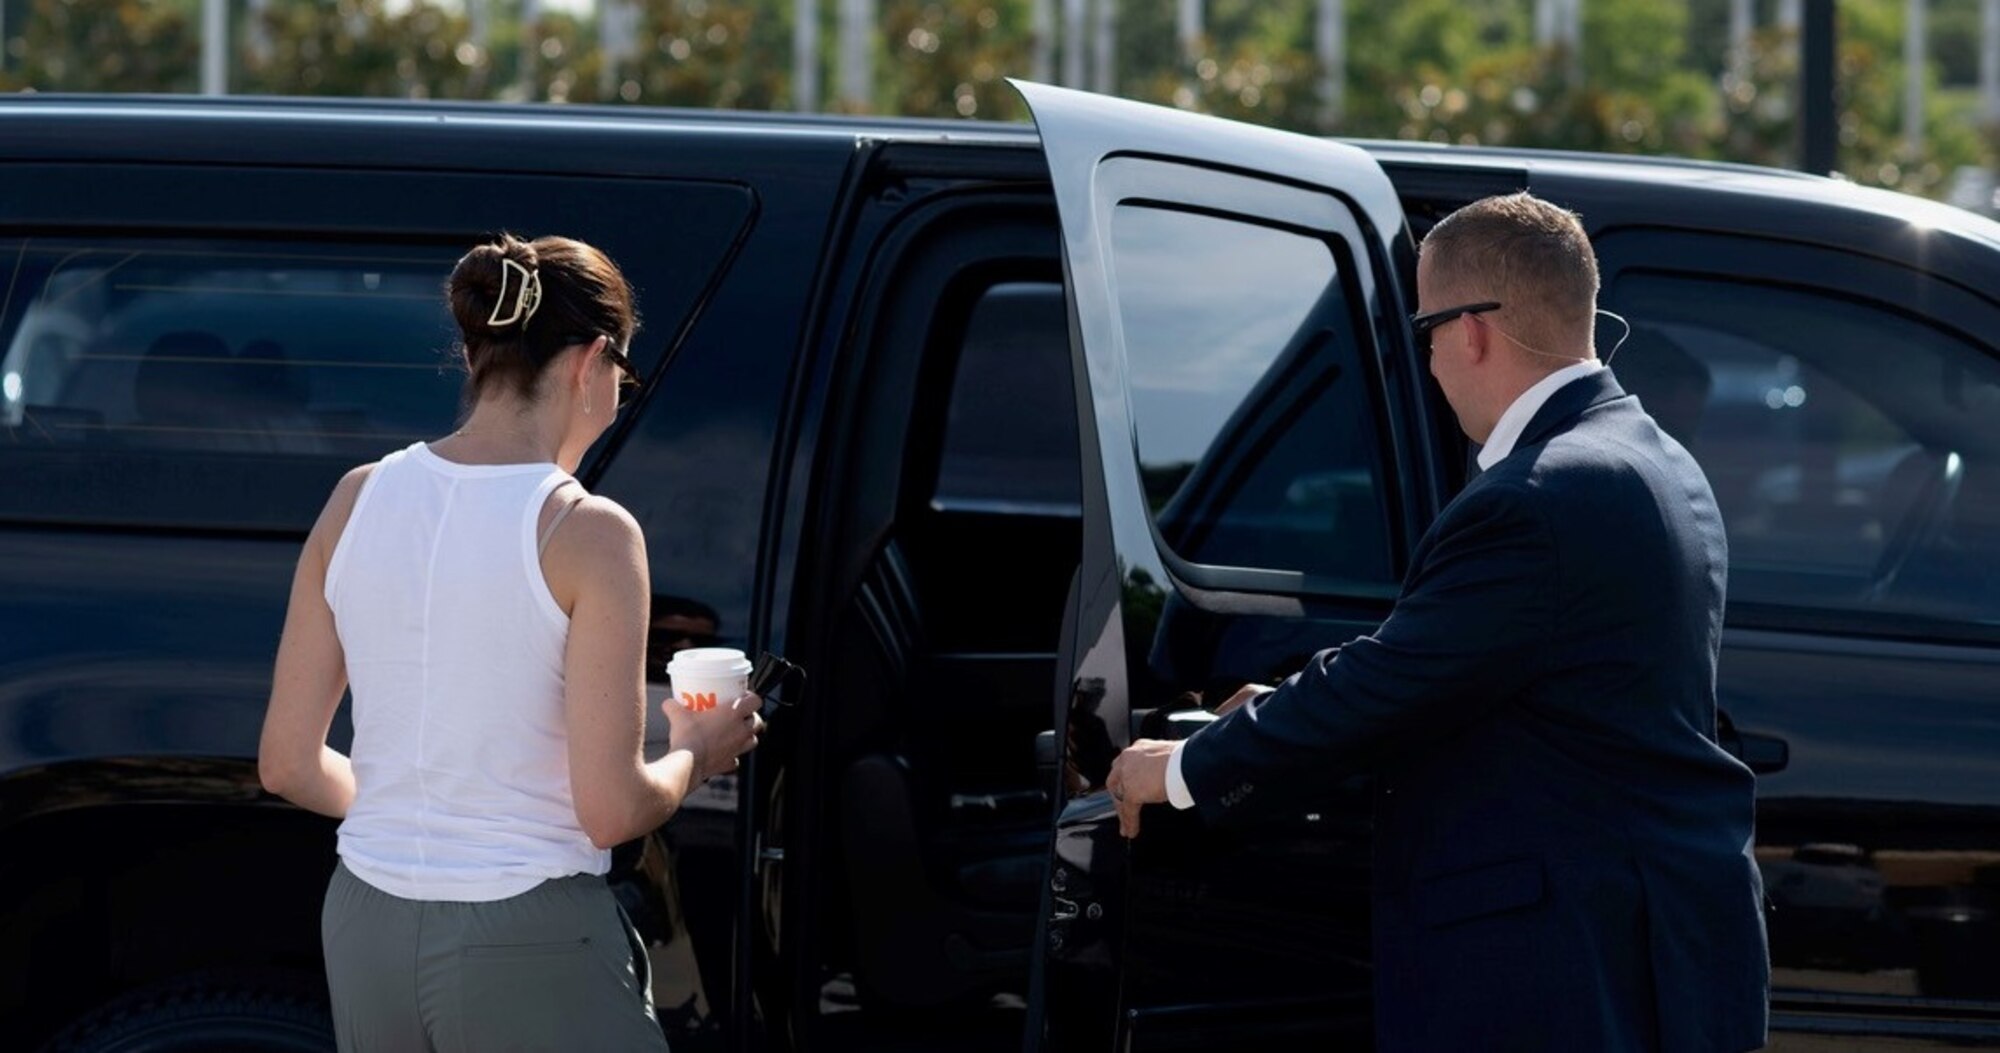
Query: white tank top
x=455, y=659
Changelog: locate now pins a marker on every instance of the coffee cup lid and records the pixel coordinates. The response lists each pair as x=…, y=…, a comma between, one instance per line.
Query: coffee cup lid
x=708, y=661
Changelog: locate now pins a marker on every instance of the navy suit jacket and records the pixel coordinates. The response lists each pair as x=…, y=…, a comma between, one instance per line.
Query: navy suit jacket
x=1562, y=852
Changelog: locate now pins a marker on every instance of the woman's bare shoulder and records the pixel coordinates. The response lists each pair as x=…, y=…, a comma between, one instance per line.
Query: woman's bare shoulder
x=340, y=505
x=598, y=546
x=599, y=525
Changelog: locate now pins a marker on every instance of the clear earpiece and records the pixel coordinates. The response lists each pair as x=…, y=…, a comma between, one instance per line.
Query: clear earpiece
x=1626, y=335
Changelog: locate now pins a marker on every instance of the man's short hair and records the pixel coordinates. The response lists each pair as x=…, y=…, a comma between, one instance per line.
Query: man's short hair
x=1528, y=254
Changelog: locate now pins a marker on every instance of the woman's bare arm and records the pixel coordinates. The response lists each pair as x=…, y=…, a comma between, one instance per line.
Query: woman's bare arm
x=293, y=759
x=596, y=566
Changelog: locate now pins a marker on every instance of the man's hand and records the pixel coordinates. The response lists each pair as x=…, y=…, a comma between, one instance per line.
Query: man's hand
x=1138, y=778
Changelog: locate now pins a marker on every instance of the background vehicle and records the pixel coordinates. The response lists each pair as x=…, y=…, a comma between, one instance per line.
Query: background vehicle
x=870, y=440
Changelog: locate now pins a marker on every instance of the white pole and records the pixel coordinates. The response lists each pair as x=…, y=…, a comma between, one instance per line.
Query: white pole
x=1914, y=52
x=214, y=47
x=259, y=33
x=1573, y=39
x=1042, y=66
x=1332, y=41
x=857, y=54
x=476, y=24
x=1789, y=14
x=1989, y=61
x=1741, y=20
x=607, y=49
x=1545, y=22
x=531, y=45
x=1104, y=42
x=1187, y=28
x=805, y=56
x=1073, y=32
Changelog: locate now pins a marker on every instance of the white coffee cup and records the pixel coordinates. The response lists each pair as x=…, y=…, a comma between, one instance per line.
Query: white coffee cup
x=706, y=677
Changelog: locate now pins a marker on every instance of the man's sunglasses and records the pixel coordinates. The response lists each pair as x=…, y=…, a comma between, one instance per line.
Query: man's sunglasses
x=1423, y=324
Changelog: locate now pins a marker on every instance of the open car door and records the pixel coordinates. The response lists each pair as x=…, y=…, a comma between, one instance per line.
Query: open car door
x=1254, y=473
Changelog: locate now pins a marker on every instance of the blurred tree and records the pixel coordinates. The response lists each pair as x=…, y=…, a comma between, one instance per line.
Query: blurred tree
x=1954, y=40
x=417, y=49
x=949, y=58
x=727, y=53
x=1259, y=64
x=105, y=45
x=1760, y=125
x=1653, y=72
x=1255, y=60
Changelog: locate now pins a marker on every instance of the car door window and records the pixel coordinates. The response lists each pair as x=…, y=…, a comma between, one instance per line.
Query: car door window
x=997, y=542
x=1850, y=446
x=193, y=383
x=1251, y=418
x=1009, y=443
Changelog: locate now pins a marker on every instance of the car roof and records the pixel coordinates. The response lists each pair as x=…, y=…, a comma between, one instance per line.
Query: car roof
x=1754, y=180
x=306, y=121
x=528, y=114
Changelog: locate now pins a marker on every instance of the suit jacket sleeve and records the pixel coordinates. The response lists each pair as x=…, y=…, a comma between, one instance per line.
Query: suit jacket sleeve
x=1465, y=635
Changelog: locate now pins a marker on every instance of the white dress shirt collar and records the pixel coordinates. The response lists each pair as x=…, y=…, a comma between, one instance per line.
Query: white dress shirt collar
x=1508, y=430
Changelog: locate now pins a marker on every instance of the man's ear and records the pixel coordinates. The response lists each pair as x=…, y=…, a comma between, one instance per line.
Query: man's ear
x=1479, y=338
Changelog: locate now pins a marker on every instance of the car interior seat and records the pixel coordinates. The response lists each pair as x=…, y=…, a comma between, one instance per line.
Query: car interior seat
x=942, y=883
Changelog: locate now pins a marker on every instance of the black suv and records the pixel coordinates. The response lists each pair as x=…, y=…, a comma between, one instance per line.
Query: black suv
x=1023, y=440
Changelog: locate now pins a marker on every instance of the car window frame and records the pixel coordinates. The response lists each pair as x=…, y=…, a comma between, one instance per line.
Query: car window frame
x=403, y=207
x=1179, y=185
x=1847, y=273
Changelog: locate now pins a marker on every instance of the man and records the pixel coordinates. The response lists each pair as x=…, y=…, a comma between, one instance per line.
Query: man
x=1563, y=853
x=678, y=623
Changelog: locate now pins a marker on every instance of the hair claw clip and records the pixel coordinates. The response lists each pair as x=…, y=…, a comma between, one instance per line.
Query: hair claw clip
x=527, y=295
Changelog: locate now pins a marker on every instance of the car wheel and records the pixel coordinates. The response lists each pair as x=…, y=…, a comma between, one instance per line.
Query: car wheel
x=207, y=1015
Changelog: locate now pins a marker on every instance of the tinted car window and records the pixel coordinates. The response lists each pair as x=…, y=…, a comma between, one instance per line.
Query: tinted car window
x=1851, y=448
x=1255, y=436
x=208, y=383
x=1010, y=431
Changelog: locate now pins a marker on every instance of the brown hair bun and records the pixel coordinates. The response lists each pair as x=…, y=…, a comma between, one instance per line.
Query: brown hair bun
x=518, y=303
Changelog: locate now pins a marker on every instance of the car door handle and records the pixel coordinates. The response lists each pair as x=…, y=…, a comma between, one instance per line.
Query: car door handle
x=1763, y=754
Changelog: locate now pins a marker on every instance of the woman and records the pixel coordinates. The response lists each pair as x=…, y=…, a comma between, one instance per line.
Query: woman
x=491, y=617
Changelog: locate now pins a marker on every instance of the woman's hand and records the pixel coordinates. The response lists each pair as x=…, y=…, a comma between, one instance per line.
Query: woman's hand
x=716, y=738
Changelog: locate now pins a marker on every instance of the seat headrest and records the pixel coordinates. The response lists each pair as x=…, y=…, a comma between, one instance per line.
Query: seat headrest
x=181, y=376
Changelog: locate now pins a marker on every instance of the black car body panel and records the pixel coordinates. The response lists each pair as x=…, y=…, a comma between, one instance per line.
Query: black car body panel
x=867, y=441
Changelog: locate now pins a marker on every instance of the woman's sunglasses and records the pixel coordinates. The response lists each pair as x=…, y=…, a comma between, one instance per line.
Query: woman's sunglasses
x=628, y=374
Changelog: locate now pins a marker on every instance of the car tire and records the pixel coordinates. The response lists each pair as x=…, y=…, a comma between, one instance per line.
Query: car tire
x=208, y=1014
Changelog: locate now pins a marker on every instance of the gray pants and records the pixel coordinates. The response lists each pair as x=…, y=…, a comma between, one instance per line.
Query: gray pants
x=555, y=968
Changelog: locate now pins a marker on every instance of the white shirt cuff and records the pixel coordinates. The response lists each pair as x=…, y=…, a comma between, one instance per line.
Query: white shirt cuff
x=1177, y=791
